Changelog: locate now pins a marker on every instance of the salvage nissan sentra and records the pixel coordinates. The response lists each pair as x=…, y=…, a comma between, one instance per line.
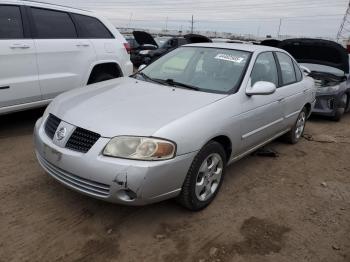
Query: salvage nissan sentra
x=170, y=130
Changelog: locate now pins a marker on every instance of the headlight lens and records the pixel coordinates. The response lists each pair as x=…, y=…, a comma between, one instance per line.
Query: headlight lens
x=144, y=52
x=140, y=148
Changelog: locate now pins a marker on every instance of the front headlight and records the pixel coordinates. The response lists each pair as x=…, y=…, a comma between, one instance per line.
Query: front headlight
x=140, y=148
x=144, y=52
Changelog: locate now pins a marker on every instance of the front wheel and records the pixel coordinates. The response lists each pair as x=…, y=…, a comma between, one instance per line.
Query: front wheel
x=204, y=177
x=294, y=135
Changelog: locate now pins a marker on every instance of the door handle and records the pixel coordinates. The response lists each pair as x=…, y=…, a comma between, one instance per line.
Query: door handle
x=4, y=87
x=281, y=100
x=83, y=45
x=19, y=46
x=305, y=91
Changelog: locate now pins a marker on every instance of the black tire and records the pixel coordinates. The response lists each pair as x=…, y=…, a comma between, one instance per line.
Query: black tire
x=188, y=197
x=340, y=111
x=292, y=137
x=101, y=77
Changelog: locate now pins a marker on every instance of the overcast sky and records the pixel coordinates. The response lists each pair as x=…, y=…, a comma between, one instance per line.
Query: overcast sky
x=299, y=17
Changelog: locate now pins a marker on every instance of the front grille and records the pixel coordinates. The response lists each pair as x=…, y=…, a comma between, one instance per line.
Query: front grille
x=82, y=140
x=77, y=182
x=51, y=125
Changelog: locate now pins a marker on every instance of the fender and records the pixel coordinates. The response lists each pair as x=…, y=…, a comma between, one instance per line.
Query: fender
x=99, y=62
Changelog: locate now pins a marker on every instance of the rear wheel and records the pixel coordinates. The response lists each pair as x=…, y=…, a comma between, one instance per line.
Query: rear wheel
x=340, y=111
x=204, y=177
x=294, y=135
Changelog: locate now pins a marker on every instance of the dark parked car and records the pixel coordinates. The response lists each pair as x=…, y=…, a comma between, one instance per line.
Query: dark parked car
x=328, y=63
x=151, y=49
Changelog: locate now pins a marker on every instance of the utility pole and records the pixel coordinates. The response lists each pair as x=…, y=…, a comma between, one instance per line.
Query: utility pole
x=130, y=20
x=166, y=24
x=279, y=29
x=192, y=24
x=344, y=25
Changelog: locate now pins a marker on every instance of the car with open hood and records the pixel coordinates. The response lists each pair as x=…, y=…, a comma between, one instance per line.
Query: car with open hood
x=170, y=130
x=151, y=48
x=328, y=64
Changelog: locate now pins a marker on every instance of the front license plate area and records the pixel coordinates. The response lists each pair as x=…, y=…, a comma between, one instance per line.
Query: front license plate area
x=52, y=155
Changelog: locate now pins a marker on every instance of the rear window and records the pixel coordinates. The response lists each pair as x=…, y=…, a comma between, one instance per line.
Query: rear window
x=53, y=24
x=10, y=22
x=90, y=27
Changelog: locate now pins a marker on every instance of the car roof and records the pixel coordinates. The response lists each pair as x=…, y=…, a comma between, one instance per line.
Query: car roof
x=49, y=6
x=243, y=47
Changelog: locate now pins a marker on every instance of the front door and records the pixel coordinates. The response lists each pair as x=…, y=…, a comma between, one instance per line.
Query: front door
x=262, y=118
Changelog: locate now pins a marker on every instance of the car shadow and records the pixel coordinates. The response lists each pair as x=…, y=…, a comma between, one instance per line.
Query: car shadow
x=19, y=123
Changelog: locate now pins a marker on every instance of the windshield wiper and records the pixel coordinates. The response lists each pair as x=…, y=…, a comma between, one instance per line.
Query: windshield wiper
x=168, y=82
x=171, y=82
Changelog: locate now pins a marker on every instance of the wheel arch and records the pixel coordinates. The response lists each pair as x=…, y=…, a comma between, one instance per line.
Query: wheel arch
x=225, y=142
x=308, y=107
x=110, y=67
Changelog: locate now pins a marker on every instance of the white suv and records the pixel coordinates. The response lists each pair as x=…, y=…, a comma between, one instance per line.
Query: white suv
x=48, y=49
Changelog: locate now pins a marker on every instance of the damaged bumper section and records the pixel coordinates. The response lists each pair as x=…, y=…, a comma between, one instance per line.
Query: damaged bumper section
x=123, y=181
x=327, y=103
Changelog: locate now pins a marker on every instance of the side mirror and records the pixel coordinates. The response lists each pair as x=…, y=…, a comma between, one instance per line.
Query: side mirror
x=306, y=70
x=141, y=67
x=261, y=88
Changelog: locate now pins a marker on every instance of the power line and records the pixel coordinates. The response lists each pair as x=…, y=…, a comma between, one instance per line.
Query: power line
x=344, y=24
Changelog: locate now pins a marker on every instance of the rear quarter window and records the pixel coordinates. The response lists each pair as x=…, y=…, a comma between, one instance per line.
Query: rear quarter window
x=90, y=27
x=298, y=72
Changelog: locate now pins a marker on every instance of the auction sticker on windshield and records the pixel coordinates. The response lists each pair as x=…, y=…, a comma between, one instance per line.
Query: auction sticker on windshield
x=230, y=58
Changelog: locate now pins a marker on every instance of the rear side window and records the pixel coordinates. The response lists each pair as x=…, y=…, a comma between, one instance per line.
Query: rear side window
x=10, y=22
x=53, y=24
x=298, y=72
x=90, y=27
x=287, y=69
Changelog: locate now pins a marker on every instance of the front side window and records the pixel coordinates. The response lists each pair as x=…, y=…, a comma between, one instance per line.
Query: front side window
x=90, y=27
x=10, y=22
x=265, y=69
x=53, y=24
x=209, y=69
x=287, y=69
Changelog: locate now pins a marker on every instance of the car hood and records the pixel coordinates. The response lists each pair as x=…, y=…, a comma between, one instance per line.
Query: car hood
x=127, y=106
x=144, y=38
x=270, y=42
x=194, y=38
x=317, y=51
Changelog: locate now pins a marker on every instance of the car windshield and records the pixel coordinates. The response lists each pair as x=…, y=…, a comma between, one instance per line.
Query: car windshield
x=205, y=69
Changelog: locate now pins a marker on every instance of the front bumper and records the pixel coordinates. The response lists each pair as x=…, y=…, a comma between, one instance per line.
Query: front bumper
x=114, y=180
x=328, y=103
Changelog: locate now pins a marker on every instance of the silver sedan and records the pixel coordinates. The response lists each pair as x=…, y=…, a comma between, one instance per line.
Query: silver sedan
x=170, y=130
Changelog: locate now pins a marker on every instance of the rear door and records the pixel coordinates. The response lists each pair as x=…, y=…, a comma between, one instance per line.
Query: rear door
x=292, y=88
x=63, y=59
x=93, y=31
x=18, y=69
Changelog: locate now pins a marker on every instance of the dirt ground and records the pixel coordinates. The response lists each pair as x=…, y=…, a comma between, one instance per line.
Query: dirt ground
x=292, y=208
